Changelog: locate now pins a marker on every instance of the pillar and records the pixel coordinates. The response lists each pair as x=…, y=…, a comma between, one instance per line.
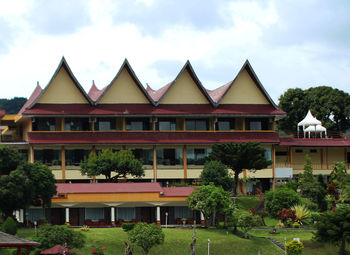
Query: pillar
x=19, y=251
x=158, y=215
x=67, y=215
x=113, y=215
x=202, y=220
x=21, y=215
x=63, y=163
x=273, y=152
x=185, y=161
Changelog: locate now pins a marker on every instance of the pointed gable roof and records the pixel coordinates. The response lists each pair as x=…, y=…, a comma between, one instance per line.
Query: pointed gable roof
x=37, y=91
x=223, y=90
x=157, y=94
x=63, y=64
x=187, y=67
x=94, y=93
x=128, y=67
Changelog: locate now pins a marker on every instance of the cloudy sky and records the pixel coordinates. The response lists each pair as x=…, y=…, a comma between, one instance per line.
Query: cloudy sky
x=290, y=43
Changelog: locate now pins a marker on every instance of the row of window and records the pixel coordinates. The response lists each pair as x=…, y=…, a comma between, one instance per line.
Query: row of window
x=165, y=156
x=162, y=124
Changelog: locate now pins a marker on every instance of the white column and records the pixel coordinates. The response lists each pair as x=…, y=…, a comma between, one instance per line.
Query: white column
x=202, y=216
x=67, y=214
x=21, y=215
x=112, y=214
x=158, y=213
x=17, y=215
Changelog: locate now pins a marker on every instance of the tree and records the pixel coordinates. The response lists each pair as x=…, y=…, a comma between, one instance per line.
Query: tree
x=239, y=156
x=49, y=236
x=334, y=227
x=12, y=106
x=107, y=162
x=279, y=199
x=9, y=226
x=247, y=221
x=146, y=235
x=10, y=158
x=311, y=188
x=29, y=184
x=331, y=106
x=217, y=173
x=209, y=200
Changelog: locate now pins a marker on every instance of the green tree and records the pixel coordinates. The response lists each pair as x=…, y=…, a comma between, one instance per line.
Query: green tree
x=9, y=226
x=279, y=199
x=334, y=227
x=239, y=156
x=107, y=162
x=330, y=106
x=217, y=173
x=340, y=181
x=10, y=158
x=247, y=221
x=146, y=236
x=294, y=247
x=29, y=184
x=49, y=236
x=209, y=200
x=12, y=106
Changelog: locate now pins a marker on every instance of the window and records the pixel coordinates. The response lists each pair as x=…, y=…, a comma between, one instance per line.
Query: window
x=77, y=124
x=144, y=155
x=75, y=156
x=197, y=156
x=313, y=151
x=44, y=124
x=225, y=124
x=169, y=157
x=166, y=124
x=105, y=124
x=48, y=157
x=298, y=151
x=256, y=124
x=182, y=212
x=126, y=213
x=267, y=153
x=281, y=153
x=138, y=124
x=197, y=124
x=94, y=214
x=35, y=214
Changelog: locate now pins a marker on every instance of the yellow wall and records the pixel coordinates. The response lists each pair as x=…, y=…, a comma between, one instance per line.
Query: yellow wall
x=166, y=173
x=335, y=154
x=184, y=91
x=244, y=91
x=124, y=90
x=263, y=173
x=62, y=90
x=194, y=173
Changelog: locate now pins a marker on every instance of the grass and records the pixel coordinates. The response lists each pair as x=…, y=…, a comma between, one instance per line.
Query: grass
x=246, y=202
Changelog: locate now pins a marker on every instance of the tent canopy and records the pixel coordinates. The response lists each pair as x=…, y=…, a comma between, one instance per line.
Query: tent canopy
x=318, y=128
x=309, y=120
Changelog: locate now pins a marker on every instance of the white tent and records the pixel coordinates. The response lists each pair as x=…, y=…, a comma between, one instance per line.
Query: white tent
x=309, y=120
x=316, y=129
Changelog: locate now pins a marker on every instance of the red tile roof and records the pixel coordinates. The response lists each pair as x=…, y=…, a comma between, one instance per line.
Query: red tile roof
x=141, y=187
x=65, y=188
x=36, y=93
x=157, y=94
x=95, y=93
x=58, y=249
x=148, y=109
x=150, y=137
x=318, y=142
x=178, y=191
x=2, y=113
x=218, y=93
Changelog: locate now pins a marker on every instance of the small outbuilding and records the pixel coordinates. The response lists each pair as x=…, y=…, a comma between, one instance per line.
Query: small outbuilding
x=56, y=250
x=23, y=245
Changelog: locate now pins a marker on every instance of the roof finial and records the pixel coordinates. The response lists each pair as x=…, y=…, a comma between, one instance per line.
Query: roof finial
x=37, y=83
x=93, y=82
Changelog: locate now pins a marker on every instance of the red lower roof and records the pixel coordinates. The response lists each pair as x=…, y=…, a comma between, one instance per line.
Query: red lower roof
x=141, y=187
x=148, y=109
x=313, y=142
x=150, y=137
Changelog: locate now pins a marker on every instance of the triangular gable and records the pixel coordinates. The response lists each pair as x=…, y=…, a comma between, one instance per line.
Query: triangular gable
x=185, y=89
x=94, y=93
x=37, y=91
x=63, y=88
x=125, y=88
x=246, y=89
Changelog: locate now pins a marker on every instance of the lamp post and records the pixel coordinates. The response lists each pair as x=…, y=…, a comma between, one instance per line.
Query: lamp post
x=166, y=219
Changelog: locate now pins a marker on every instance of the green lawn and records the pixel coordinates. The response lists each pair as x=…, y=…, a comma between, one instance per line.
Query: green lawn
x=177, y=241
x=247, y=202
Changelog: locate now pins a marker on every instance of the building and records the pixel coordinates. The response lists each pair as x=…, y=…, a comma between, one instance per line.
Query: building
x=170, y=129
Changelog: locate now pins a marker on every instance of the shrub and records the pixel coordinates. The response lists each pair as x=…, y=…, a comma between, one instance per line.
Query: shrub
x=9, y=226
x=247, y=221
x=287, y=216
x=279, y=199
x=294, y=247
x=85, y=228
x=146, y=235
x=309, y=204
x=302, y=214
x=315, y=217
x=128, y=226
x=296, y=225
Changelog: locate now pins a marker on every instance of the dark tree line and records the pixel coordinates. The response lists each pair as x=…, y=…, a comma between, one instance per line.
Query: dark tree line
x=12, y=106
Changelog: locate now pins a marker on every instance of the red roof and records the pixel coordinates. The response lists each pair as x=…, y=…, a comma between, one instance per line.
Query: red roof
x=178, y=191
x=145, y=187
x=58, y=249
x=95, y=93
x=2, y=113
x=116, y=137
x=289, y=141
x=148, y=109
x=157, y=94
x=31, y=99
x=218, y=93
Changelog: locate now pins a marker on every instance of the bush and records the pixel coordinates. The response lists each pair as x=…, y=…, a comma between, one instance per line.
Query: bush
x=296, y=225
x=146, y=235
x=287, y=216
x=302, y=214
x=279, y=199
x=247, y=221
x=309, y=204
x=128, y=226
x=315, y=217
x=294, y=247
x=9, y=226
x=49, y=236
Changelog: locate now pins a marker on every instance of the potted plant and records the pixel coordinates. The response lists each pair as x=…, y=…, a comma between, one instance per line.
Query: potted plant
x=184, y=221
